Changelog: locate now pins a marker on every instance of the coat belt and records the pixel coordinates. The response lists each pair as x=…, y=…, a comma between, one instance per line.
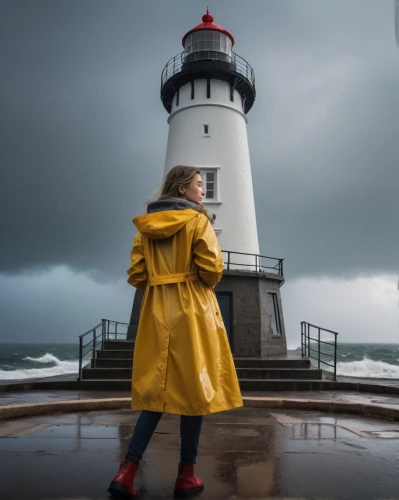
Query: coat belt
x=166, y=279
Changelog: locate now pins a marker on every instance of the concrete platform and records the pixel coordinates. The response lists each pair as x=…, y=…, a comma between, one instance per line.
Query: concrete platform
x=250, y=453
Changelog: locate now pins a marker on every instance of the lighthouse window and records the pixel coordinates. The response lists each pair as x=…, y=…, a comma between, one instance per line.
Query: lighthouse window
x=274, y=314
x=210, y=178
x=210, y=185
x=206, y=129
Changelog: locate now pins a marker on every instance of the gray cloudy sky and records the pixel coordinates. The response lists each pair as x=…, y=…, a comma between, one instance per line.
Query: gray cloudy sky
x=83, y=140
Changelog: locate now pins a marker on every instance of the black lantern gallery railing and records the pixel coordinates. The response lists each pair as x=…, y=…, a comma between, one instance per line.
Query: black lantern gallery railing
x=175, y=64
x=252, y=262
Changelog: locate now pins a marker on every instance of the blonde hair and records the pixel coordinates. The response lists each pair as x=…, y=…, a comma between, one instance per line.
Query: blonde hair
x=177, y=177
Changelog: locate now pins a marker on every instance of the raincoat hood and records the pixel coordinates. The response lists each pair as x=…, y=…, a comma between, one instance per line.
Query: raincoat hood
x=165, y=218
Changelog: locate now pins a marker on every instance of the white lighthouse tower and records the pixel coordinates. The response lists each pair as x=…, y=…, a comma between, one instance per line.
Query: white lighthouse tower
x=208, y=90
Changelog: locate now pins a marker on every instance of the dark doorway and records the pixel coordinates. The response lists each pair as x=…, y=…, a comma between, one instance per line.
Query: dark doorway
x=225, y=300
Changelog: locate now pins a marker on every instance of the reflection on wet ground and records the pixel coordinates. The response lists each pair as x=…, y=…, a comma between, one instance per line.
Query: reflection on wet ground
x=246, y=453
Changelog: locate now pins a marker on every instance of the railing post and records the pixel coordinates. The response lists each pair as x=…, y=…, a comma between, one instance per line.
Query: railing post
x=94, y=344
x=308, y=340
x=228, y=259
x=80, y=358
x=102, y=333
x=335, y=359
x=319, y=348
x=116, y=330
x=302, y=338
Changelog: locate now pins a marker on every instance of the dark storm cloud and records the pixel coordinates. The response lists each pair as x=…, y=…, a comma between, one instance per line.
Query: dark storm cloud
x=329, y=173
x=83, y=132
x=82, y=138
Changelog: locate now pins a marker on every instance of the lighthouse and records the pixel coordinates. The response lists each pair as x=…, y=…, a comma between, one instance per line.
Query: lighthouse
x=208, y=90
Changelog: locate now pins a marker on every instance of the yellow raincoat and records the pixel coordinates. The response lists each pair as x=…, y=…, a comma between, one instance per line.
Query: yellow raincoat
x=182, y=360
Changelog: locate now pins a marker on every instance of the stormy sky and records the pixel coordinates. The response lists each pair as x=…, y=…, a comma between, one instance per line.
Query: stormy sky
x=83, y=139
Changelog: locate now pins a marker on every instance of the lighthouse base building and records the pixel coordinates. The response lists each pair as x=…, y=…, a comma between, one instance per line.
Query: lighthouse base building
x=208, y=90
x=250, y=304
x=251, y=308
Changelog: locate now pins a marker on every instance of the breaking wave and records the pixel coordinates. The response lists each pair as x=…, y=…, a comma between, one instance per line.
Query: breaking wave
x=58, y=367
x=368, y=368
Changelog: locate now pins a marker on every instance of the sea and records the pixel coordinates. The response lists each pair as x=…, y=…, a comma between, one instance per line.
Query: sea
x=26, y=361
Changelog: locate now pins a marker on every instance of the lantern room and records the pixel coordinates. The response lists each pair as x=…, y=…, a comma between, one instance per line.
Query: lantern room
x=208, y=55
x=208, y=41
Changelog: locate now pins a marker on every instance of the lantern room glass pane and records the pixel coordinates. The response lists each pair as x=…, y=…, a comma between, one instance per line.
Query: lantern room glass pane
x=208, y=41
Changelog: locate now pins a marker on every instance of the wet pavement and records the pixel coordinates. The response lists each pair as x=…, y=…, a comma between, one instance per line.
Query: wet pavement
x=249, y=453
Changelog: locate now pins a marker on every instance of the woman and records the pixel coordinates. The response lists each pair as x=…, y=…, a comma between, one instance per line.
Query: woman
x=182, y=361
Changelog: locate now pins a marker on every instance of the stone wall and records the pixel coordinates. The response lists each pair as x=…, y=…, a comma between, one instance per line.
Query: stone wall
x=252, y=332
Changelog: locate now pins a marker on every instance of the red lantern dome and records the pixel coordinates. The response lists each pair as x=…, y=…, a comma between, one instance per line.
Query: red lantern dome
x=208, y=24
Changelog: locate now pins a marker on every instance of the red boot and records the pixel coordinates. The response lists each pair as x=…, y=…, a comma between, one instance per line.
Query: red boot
x=122, y=484
x=187, y=484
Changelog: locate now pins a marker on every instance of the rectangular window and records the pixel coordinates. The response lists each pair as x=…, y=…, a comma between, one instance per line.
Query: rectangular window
x=206, y=129
x=274, y=313
x=210, y=185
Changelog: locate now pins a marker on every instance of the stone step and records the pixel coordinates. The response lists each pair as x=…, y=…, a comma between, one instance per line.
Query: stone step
x=123, y=359
x=106, y=385
x=270, y=363
x=279, y=373
x=114, y=354
x=119, y=372
x=249, y=384
x=245, y=385
x=111, y=362
x=106, y=373
x=240, y=362
x=119, y=345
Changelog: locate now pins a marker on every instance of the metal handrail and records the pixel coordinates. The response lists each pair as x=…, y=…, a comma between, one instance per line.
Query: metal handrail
x=257, y=265
x=174, y=65
x=306, y=349
x=97, y=338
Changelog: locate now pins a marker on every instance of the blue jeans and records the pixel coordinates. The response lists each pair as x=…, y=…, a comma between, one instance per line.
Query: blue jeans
x=190, y=430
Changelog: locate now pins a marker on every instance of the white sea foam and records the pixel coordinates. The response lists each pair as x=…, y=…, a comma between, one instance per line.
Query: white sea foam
x=60, y=368
x=47, y=358
x=368, y=368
